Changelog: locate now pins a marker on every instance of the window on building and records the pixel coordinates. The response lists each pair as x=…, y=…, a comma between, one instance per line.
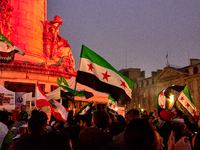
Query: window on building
x=190, y=85
x=53, y=87
x=149, y=94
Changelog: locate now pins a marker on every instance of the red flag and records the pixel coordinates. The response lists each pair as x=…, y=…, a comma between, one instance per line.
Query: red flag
x=57, y=109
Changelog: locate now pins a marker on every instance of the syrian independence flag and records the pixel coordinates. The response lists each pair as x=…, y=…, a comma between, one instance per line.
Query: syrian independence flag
x=186, y=101
x=65, y=86
x=165, y=98
x=95, y=72
x=111, y=103
x=57, y=109
x=161, y=99
x=8, y=50
x=111, y=106
x=86, y=108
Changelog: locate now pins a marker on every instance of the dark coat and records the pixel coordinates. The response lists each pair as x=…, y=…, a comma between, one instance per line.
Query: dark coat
x=165, y=131
x=28, y=141
x=95, y=139
x=119, y=139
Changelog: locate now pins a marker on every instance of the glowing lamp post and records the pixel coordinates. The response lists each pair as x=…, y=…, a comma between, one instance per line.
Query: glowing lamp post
x=169, y=102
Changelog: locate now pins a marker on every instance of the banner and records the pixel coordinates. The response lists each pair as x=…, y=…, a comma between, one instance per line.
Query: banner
x=22, y=98
x=7, y=101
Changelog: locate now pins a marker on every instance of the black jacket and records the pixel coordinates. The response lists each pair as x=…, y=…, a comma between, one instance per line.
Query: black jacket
x=28, y=141
x=95, y=139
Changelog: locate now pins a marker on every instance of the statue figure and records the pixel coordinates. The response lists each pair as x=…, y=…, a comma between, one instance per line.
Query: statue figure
x=57, y=48
x=51, y=36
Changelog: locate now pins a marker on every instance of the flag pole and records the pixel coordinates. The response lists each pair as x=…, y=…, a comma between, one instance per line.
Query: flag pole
x=167, y=59
x=74, y=93
x=76, y=77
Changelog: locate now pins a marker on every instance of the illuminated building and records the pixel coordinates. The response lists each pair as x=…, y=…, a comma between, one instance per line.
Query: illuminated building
x=146, y=90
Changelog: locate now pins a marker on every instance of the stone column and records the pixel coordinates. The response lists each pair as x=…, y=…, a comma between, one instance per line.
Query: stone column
x=27, y=20
x=191, y=70
x=198, y=66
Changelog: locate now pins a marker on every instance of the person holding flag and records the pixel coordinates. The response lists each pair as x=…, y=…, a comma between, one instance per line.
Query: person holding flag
x=57, y=109
x=166, y=106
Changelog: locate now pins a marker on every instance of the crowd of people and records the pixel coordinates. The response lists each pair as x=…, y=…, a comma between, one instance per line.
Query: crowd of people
x=160, y=130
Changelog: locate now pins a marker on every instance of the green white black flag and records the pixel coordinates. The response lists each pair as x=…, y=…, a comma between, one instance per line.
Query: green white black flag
x=8, y=50
x=95, y=72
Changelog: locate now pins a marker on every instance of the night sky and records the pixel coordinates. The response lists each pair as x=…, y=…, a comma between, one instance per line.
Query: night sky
x=131, y=34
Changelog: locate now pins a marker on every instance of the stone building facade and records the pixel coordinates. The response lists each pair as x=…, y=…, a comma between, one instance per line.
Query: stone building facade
x=146, y=90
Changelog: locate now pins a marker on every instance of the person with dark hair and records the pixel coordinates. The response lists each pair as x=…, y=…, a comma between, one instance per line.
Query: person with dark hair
x=145, y=115
x=118, y=125
x=6, y=137
x=10, y=120
x=139, y=135
x=122, y=120
x=97, y=137
x=23, y=113
x=116, y=128
x=34, y=111
x=58, y=125
x=151, y=119
x=85, y=120
x=179, y=116
x=34, y=138
x=36, y=124
x=20, y=126
x=57, y=141
x=100, y=120
x=131, y=115
x=73, y=132
x=44, y=115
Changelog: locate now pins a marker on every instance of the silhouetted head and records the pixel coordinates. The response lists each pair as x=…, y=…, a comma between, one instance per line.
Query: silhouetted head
x=139, y=135
x=132, y=114
x=101, y=119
